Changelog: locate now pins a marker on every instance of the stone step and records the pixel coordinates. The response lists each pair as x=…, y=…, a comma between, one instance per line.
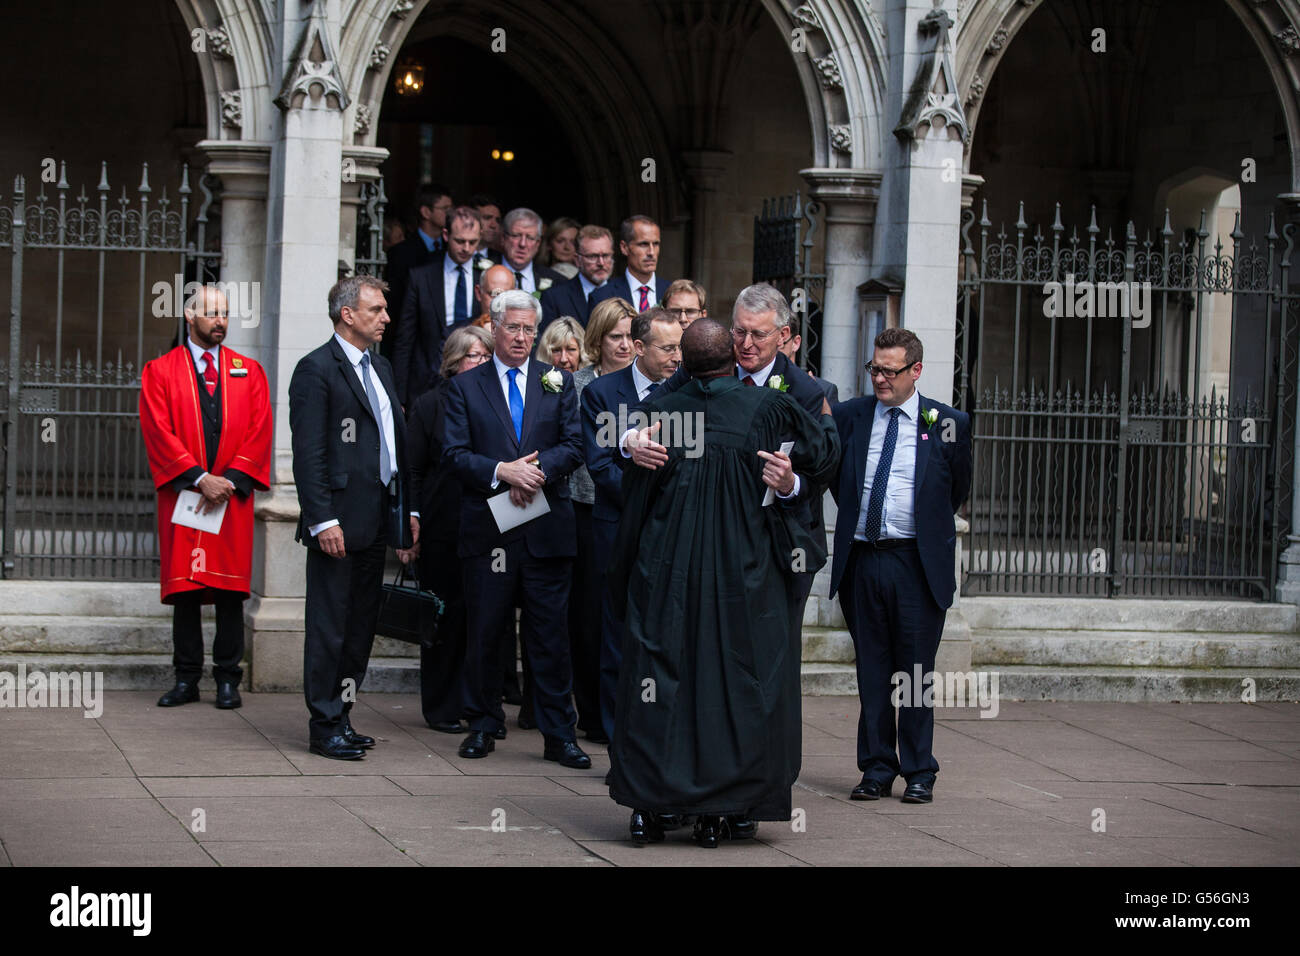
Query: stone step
x=121, y=671
x=827, y=645
x=1145, y=684
x=828, y=680
x=80, y=634
x=998, y=648
x=1101, y=614
x=83, y=598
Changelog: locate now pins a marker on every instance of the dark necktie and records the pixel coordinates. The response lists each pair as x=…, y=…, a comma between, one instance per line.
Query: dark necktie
x=519, y=281
x=209, y=374
x=516, y=404
x=645, y=298
x=650, y=389
x=749, y=380
x=876, y=503
x=385, y=459
x=461, y=314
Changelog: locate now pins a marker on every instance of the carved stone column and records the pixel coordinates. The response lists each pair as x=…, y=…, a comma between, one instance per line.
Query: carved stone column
x=1288, y=579
x=849, y=198
x=302, y=247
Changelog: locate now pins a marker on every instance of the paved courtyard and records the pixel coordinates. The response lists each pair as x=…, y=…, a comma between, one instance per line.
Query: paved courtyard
x=1173, y=784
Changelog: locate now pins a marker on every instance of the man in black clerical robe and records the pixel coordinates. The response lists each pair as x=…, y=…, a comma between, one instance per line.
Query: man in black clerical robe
x=707, y=718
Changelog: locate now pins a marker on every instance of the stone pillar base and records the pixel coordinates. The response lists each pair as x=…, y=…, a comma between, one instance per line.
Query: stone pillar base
x=1288, y=576
x=275, y=640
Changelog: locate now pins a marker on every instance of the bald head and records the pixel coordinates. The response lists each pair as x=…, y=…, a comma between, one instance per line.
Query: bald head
x=706, y=349
x=493, y=280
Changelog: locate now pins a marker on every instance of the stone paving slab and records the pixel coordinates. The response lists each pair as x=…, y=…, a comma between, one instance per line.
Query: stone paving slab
x=1180, y=784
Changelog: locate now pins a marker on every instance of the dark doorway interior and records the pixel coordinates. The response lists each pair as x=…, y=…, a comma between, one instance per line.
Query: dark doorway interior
x=471, y=104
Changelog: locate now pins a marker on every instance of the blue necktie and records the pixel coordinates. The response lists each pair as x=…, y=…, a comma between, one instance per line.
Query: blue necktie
x=516, y=404
x=876, y=503
x=461, y=314
x=385, y=467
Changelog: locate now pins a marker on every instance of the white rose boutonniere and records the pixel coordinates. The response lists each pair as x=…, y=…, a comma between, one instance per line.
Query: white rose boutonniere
x=778, y=382
x=930, y=415
x=544, y=285
x=482, y=262
x=553, y=381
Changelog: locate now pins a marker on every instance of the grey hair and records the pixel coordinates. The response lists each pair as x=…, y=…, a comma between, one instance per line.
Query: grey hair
x=345, y=294
x=515, y=299
x=523, y=212
x=763, y=297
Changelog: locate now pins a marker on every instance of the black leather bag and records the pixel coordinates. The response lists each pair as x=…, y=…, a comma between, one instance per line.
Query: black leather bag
x=409, y=613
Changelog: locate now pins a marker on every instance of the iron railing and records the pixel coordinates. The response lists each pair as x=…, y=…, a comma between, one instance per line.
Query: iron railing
x=784, y=241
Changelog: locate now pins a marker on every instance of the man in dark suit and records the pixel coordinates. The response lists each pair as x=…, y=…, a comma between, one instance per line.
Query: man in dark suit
x=656, y=337
x=639, y=244
x=489, y=215
x=432, y=203
x=512, y=428
x=595, y=250
x=439, y=298
x=521, y=240
x=791, y=351
x=349, y=465
x=906, y=468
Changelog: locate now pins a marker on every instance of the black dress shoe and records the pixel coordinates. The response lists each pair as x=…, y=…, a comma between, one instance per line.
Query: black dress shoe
x=645, y=828
x=870, y=790
x=739, y=826
x=448, y=726
x=337, y=747
x=354, y=738
x=707, y=832
x=568, y=753
x=512, y=697
x=526, y=723
x=185, y=692
x=919, y=792
x=670, y=821
x=479, y=743
x=596, y=736
x=228, y=695
x=500, y=732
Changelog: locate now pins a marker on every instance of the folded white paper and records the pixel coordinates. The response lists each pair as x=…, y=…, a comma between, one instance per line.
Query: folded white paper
x=184, y=514
x=786, y=448
x=509, y=515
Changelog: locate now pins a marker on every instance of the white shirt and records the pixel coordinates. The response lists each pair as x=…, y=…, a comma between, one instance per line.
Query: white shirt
x=197, y=353
x=897, y=519
x=529, y=284
x=503, y=376
x=385, y=413
x=449, y=273
x=640, y=382
x=634, y=287
x=760, y=377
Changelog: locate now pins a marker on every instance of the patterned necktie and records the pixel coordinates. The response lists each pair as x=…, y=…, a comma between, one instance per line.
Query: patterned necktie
x=876, y=503
x=385, y=459
x=461, y=314
x=209, y=374
x=645, y=298
x=749, y=380
x=519, y=281
x=516, y=404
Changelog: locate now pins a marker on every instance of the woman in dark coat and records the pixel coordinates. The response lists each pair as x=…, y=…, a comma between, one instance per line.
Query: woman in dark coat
x=437, y=492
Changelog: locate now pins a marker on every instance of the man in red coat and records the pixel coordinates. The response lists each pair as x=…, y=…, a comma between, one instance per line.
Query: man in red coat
x=205, y=412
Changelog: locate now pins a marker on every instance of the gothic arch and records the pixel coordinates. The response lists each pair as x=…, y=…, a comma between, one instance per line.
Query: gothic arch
x=239, y=56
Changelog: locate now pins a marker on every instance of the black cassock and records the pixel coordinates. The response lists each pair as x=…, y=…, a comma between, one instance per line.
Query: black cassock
x=703, y=577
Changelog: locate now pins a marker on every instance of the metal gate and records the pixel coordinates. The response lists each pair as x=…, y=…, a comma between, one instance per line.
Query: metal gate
x=1132, y=409
x=78, y=496
x=783, y=256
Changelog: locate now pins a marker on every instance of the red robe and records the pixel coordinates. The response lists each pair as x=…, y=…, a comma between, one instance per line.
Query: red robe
x=172, y=424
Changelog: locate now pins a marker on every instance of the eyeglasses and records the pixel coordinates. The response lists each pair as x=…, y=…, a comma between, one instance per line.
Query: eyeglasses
x=596, y=256
x=669, y=349
x=523, y=237
x=527, y=331
x=874, y=370
x=758, y=337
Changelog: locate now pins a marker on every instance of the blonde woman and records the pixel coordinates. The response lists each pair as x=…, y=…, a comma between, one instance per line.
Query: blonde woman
x=559, y=246
x=561, y=344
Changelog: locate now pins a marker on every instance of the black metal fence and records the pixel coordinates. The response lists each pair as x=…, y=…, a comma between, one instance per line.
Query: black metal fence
x=784, y=247
x=1104, y=465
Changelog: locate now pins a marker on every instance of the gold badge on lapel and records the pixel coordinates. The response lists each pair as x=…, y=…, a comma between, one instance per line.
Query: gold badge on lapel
x=237, y=363
x=238, y=370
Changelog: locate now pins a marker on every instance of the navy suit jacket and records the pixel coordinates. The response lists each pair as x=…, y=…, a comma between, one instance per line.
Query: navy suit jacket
x=478, y=433
x=423, y=328
x=565, y=298
x=941, y=484
x=600, y=400
x=617, y=287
